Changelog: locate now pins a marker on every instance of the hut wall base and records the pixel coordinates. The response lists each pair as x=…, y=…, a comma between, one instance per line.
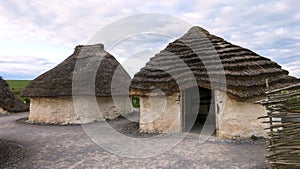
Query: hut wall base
x=160, y=114
x=239, y=119
x=2, y=111
x=60, y=110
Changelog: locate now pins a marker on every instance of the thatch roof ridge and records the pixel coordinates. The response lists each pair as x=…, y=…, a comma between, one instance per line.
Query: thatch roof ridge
x=59, y=80
x=245, y=71
x=8, y=100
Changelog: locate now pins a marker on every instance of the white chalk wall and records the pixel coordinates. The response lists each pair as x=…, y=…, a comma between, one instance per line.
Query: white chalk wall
x=160, y=114
x=60, y=110
x=2, y=111
x=236, y=119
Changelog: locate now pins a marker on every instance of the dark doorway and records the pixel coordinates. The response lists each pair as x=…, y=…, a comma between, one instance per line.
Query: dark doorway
x=197, y=102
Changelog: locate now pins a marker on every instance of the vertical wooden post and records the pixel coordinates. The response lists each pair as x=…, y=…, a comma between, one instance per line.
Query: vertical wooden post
x=270, y=120
x=182, y=114
x=267, y=84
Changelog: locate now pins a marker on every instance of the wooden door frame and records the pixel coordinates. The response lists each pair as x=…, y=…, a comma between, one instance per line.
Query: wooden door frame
x=183, y=108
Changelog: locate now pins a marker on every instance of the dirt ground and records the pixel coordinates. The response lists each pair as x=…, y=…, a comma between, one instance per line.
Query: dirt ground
x=52, y=146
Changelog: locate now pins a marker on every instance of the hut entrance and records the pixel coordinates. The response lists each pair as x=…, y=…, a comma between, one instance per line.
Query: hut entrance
x=196, y=108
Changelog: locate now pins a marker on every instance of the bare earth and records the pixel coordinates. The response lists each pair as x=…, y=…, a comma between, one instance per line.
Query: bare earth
x=50, y=146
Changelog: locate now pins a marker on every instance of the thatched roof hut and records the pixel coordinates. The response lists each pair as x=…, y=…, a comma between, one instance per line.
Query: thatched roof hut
x=52, y=93
x=229, y=79
x=58, y=81
x=9, y=103
x=245, y=71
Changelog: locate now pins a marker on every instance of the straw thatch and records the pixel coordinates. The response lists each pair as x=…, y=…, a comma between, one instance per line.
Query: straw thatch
x=8, y=100
x=198, y=51
x=86, y=59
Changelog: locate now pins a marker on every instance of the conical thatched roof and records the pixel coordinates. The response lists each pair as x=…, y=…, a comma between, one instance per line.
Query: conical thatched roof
x=93, y=69
x=8, y=100
x=245, y=71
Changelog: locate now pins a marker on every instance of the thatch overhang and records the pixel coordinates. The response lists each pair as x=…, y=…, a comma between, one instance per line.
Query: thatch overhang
x=213, y=63
x=8, y=100
x=90, y=71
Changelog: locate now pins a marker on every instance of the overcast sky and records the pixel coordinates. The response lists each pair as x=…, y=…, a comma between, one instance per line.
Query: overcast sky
x=37, y=35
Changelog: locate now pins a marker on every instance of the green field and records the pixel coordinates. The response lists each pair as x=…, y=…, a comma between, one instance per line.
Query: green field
x=17, y=86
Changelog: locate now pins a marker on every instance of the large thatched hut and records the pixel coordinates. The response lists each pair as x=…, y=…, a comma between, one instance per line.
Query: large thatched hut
x=66, y=94
x=228, y=78
x=9, y=103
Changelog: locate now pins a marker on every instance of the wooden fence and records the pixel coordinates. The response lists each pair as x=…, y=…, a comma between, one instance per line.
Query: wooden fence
x=283, y=106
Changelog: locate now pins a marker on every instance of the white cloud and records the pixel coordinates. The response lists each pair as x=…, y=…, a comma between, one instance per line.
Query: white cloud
x=269, y=27
x=142, y=48
x=293, y=67
x=16, y=67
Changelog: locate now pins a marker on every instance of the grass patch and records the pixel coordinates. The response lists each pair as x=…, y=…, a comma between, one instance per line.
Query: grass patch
x=17, y=86
x=136, y=102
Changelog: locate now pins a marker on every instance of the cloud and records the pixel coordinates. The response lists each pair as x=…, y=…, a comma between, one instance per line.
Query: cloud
x=142, y=48
x=269, y=28
x=16, y=67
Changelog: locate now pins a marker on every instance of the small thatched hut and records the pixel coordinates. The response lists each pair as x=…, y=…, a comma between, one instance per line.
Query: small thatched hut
x=9, y=103
x=84, y=76
x=228, y=78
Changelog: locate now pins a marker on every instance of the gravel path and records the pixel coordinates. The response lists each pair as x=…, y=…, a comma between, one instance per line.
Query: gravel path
x=11, y=154
x=50, y=146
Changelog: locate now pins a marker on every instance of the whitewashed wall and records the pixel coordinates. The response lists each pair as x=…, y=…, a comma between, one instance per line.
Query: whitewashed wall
x=60, y=110
x=160, y=114
x=2, y=111
x=236, y=119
